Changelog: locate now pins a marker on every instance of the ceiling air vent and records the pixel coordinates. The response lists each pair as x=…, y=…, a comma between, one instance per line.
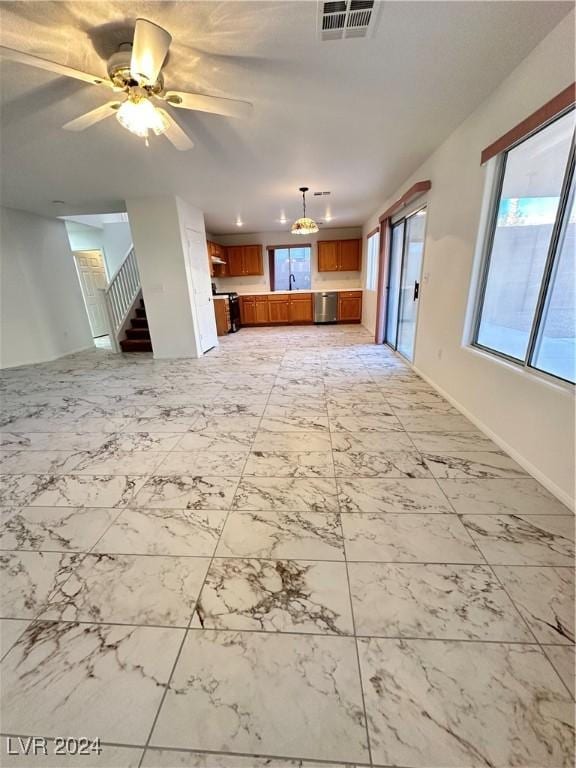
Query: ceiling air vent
x=342, y=19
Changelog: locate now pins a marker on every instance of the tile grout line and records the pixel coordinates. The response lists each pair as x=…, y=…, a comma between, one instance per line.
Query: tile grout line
x=293, y=633
x=179, y=653
x=532, y=632
x=188, y=628
x=212, y=753
x=352, y=616
x=524, y=621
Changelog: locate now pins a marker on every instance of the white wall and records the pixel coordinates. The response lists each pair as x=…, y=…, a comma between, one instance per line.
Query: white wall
x=42, y=311
x=161, y=255
x=116, y=240
x=320, y=280
x=529, y=415
x=113, y=239
x=83, y=237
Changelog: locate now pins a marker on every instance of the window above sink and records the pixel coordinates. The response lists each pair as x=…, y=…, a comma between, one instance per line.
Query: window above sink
x=290, y=268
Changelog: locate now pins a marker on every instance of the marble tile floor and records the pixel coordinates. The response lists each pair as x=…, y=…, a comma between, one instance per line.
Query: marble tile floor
x=290, y=553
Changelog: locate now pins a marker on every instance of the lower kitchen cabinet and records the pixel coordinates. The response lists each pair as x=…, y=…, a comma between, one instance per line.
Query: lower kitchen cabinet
x=262, y=310
x=279, y=308
x=301, y=308
x=350, y=306
x=296, y=308
x=247, y=310
x=222, y=315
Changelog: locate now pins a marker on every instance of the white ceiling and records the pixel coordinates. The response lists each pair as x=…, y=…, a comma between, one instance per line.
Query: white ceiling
x=355, y=117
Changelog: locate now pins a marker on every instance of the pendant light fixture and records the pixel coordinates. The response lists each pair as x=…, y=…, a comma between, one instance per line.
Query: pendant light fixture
x=304, y=225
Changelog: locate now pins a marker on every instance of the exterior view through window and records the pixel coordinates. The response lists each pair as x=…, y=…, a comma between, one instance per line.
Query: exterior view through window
x=372, y=261
x=290, y=268
x=527, y=308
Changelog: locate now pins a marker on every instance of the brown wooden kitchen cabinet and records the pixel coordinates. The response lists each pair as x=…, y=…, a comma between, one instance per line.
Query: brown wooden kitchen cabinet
x=279, y=308
x=215, y=251
x=328, y=256
x=252, y=260
x=339, y=255
x=262, y=312
x=301, y=310
x=350, y=306
x=244, y=260
x=247, y=310
x=276, y=309
x=222, y=315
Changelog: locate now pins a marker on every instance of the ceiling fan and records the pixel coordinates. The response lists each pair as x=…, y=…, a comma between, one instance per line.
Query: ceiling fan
x=135, y=70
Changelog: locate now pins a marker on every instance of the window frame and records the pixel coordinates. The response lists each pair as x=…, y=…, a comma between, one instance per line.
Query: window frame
x=551, y=255
x=271, y=249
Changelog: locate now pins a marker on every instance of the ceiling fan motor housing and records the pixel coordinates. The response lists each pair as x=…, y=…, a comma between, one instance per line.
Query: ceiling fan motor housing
x=118, y=67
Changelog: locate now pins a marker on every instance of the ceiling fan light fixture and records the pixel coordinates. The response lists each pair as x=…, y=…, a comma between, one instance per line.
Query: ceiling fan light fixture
x=304, y=225
x=139, y=116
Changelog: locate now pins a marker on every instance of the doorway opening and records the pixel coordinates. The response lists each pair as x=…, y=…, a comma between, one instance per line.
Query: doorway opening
x=404, y=275
x=91, y=270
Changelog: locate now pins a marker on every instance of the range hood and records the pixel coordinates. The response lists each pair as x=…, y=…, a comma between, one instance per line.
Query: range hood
x=216, y=260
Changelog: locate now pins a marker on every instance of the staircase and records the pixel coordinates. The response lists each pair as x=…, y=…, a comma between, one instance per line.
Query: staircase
x=138, y=335
x=125, y=308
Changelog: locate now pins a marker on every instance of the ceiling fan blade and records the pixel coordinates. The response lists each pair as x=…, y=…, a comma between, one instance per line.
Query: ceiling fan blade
x=92, y=117
x=149, y=50
x=175, y=133
x=216, y=105
x=51, y=66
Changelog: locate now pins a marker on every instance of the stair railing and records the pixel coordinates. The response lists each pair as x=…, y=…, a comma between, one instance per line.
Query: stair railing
x=120, y=295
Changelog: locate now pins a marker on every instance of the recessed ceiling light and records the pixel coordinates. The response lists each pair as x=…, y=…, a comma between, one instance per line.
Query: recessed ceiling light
x=283, y=219
x=239, y=222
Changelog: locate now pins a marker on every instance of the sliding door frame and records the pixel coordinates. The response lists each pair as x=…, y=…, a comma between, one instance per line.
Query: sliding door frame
x=404, y=221
x=385, y=220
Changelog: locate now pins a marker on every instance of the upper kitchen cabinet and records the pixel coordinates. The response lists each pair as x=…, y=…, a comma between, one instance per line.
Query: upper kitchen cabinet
x=234, y=260
x=243, y=260
x=215, y=251
x=252, y=260
x=218, y=252
x=339, y=255
x=328, y=255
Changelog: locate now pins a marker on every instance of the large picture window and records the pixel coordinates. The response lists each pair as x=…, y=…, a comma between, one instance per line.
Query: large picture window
x=526, y=309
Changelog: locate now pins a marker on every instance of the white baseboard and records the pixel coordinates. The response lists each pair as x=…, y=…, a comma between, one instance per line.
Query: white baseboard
x=518, y=457
x=47, y=359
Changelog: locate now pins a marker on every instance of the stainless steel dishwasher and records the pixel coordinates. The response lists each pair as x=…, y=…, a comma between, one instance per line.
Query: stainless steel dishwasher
x=326, y=307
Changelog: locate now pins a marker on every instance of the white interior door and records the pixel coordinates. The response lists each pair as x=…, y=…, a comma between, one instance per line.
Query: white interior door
x=202, y=290
x=92, y=275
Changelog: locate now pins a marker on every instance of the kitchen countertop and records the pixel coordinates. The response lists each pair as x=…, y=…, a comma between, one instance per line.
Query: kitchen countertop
x=304, y=290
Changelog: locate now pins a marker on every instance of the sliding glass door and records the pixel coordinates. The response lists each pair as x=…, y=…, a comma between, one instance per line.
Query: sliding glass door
x=394, y=273
x=406, y=253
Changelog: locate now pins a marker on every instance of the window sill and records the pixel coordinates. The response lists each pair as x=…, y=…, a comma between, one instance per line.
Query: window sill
x=547, y=379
